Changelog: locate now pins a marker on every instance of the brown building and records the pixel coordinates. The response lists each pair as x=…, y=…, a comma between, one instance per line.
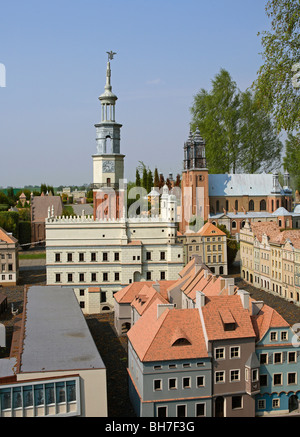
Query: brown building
x=229, y=199
x=41, y=207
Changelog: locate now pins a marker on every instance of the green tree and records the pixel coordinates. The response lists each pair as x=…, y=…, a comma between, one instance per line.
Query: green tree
x=291, y=161
x=260, y=147
x=156, y=178
x=281, y=51
x=149, y=181
x=137, y=178
x=145, y=178
x=216, y=114
x=232, y=245
x=239, y=134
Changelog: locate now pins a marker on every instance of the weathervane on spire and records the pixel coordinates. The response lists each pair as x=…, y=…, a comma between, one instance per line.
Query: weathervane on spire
x=111, y=55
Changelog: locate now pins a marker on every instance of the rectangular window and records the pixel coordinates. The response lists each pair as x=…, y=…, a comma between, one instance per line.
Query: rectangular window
x=275, y=403
x=81, y=292
x=93, y=256
x=277, y=358
x=291, y=378
x=235, y=352
x=181, y=410
x=81, y=256
x=117, y=276
x=117, y=256
x=57, y=257
x=157, y=384
x=186, y=382
x=219, y=353
x=57, y=277
x=162, y=256
x=261, y=404
x=161, y=411
x=103, y=297
x=234, y=375
x=200, y=381
x=162, y=276
x=70, y=277
x=292, y=357
x=148, y=276
x=10, y=267
x=236, y=402
x=277, y=379
x=105, y=277
x=81, y=277
x=284, y=335
x=172, y=383
x=273, y=336
x=70, y=257
x=263, y=358
x=148, y=256
x=104, y=256
x=93, y=277
x=220, y=376
x=200, y=410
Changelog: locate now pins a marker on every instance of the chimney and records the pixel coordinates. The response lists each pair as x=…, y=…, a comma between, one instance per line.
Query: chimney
x=245, y=298
x=200, y=299
x=161, y=307
x=256, y=307
x=229, y=283
x=156, y=286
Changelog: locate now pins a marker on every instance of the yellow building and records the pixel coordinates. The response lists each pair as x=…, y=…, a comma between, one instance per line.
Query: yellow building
x=210, y=244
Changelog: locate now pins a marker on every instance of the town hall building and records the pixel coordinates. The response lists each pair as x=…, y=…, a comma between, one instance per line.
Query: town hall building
x=98, y=255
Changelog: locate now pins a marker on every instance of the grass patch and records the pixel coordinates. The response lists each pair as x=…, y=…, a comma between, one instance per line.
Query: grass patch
x=40, y=255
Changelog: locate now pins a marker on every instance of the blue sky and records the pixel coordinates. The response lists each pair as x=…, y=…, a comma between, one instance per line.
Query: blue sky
x=167, y=50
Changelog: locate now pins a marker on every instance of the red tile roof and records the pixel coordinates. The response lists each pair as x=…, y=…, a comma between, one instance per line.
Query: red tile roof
x=219, y=310
x=266, y=319
x=4, y=236
x=153, y=338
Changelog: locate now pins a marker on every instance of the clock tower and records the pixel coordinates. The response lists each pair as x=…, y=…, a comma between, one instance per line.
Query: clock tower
x=108, y=162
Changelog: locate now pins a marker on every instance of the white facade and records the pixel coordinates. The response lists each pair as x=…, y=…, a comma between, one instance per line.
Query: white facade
x=99, y=257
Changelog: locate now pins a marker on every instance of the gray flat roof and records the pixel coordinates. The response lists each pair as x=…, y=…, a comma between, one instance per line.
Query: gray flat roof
x=56, y=334
x=7, y=366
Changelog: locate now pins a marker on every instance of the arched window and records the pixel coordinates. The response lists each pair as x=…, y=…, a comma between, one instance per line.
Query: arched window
x=233, y=225
x=262, y=205
x=251, y=205
x=181, y=342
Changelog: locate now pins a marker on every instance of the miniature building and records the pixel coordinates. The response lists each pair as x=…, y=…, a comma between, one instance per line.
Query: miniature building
x=54, y=368
x=9, y=260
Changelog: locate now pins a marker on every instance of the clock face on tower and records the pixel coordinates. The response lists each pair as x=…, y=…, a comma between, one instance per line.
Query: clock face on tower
x=108, y=166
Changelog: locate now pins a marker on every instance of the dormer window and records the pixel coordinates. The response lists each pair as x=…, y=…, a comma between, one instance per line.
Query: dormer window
x=229, y=326
x=181, y=342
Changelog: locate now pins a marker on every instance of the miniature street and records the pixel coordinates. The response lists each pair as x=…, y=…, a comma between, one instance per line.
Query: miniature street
x=113, y=349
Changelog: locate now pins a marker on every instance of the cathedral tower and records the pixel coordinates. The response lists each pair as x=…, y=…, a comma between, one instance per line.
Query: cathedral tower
x=108, y=162
x=194, y=184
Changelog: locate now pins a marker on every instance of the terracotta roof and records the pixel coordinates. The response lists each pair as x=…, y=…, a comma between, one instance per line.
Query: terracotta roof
x=145, y=297
x=267, y=318
x=209, y=230
x=153, y=338
x=128, y=293
x=272, y=230
x=220, y=310
x=4, y=236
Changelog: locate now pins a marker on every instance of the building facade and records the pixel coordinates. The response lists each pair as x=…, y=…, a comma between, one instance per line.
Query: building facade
x=203, y=355
x=230, y=199
x=9, y=259
x=210, y=243
x=269, y=259
x=54, y=368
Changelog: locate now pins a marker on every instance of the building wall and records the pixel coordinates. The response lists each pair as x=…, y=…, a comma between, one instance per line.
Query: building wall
x=9, y=264
x=139, y=245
